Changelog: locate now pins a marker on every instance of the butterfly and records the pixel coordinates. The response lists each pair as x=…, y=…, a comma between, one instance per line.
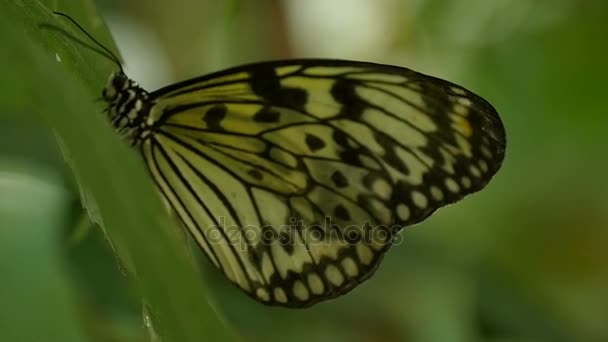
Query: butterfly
x=296, y=176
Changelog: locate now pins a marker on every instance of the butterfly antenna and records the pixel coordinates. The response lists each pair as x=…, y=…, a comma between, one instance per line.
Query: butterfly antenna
x=110, y=55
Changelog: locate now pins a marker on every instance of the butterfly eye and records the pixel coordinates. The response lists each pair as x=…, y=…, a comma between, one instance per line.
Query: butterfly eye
x=117, y=83
x=120, y=81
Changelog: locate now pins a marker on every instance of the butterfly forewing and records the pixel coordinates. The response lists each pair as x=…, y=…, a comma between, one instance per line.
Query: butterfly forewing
x=294, y=177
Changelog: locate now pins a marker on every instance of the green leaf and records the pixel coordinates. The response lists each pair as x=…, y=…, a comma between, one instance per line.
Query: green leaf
x=54, y=78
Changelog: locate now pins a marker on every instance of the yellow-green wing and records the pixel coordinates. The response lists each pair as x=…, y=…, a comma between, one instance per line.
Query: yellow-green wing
x=295, y=176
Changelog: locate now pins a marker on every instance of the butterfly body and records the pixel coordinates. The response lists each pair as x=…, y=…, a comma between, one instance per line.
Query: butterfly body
x=295, y=177
x=128, y=107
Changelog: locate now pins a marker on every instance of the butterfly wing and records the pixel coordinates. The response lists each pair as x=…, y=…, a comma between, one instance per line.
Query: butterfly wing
x=295, y=176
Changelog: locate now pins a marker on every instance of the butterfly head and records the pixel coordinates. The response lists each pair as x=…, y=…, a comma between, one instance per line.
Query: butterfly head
x=126, y=104
x=117, y=83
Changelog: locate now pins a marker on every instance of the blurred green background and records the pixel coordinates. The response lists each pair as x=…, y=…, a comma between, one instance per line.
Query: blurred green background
x=523, y=260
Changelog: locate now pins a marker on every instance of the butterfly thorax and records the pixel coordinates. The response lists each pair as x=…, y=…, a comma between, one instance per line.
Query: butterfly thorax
x=128, y=107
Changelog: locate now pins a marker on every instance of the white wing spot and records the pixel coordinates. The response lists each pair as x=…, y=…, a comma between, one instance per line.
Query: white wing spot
x=279, y=295
x=300, y=291
x=452, y=185
x=458, y=91
x=382, y=188
x=419, y=199
x=262, y=294
x=350, y=267
x=474, y=171
x=466, y=182
x=332, y=273
x=483, y=166
x=365, y=254
x=315, y=283
x=460, y=109
x=485, y=151
x=403, y=212
x=436, y=193
x=464, y=101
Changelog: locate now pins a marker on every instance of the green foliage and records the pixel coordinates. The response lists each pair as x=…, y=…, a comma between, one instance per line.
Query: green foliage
x=54, y=79
x=524, y=260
